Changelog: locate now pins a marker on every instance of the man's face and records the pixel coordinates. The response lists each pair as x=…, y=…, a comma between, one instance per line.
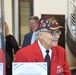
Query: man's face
x=48, y=39
x=33, y=24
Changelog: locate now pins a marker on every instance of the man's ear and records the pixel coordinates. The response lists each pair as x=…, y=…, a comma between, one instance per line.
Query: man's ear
x=40, y=35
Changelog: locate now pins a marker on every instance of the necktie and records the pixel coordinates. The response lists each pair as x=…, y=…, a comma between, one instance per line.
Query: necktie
x=47, y=59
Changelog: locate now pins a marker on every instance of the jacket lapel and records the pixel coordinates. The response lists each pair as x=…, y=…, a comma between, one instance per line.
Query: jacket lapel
x=38, y=53
x=53, y=61
x=39, y=57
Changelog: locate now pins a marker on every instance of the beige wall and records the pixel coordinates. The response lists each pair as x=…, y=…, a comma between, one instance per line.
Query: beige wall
x=50, y=7
x=8, y=13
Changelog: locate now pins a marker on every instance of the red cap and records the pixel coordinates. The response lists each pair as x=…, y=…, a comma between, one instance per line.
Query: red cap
x=49, y=22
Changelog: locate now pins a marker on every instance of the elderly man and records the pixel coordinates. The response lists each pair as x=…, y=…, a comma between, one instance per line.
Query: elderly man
x=46, y=48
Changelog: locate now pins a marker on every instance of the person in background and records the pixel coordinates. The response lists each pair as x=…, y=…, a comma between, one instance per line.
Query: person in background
x=11, y=48
x=2, y=51
x=31, y=36
x=46, y=48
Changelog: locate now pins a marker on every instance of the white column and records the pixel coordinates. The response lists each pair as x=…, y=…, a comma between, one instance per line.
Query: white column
x=16, y=19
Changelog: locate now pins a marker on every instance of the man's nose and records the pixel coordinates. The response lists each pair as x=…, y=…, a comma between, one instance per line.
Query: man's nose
x=56, y=35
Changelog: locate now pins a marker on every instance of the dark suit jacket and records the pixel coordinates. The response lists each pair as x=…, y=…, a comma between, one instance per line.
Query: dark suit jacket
x=27, y=39
x=32, y=53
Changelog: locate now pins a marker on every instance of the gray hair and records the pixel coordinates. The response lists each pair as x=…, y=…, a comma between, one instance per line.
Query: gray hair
x=41, y=30
x=35, y=18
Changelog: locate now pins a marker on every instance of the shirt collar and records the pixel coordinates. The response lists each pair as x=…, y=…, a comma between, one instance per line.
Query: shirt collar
x=43, y=50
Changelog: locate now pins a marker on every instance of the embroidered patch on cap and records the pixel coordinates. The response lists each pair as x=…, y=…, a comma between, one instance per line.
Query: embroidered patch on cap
x=49, y=23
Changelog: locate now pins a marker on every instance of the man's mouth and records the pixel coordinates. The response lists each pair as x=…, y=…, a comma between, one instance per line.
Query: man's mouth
x=55, y=39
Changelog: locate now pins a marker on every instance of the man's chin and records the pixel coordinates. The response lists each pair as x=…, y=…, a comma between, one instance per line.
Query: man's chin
x=54, y=44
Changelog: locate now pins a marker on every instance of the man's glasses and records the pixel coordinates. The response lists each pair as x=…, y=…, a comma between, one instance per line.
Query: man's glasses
x=53, y=32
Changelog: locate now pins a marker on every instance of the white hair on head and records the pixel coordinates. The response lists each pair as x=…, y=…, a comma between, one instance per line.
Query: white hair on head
x=44, y=29
x=41, y=30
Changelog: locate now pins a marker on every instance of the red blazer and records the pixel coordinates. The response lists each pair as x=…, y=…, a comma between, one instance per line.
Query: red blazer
x=32, y=53
x=2, y=60
x=2, y=56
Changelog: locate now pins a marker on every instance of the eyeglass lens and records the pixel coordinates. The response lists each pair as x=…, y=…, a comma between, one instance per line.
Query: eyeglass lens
x=58, y=32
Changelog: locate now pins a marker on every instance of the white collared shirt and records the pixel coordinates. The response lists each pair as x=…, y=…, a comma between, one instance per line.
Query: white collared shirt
x=33, y=37
x=44, y=50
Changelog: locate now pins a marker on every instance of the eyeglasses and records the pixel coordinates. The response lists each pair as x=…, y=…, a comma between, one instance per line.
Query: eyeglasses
x=53, y=32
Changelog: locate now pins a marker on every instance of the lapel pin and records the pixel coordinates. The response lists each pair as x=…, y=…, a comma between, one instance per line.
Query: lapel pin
x=59, y=69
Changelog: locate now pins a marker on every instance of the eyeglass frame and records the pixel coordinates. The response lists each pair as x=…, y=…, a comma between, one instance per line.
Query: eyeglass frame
x=53, y=32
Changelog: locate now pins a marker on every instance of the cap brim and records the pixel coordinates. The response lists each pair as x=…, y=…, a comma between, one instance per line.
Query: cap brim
x=55, y=28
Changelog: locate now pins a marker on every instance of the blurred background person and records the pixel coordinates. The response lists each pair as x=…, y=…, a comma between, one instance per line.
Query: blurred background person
x=2, y=50
x=31, y=36
x=11, y=48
